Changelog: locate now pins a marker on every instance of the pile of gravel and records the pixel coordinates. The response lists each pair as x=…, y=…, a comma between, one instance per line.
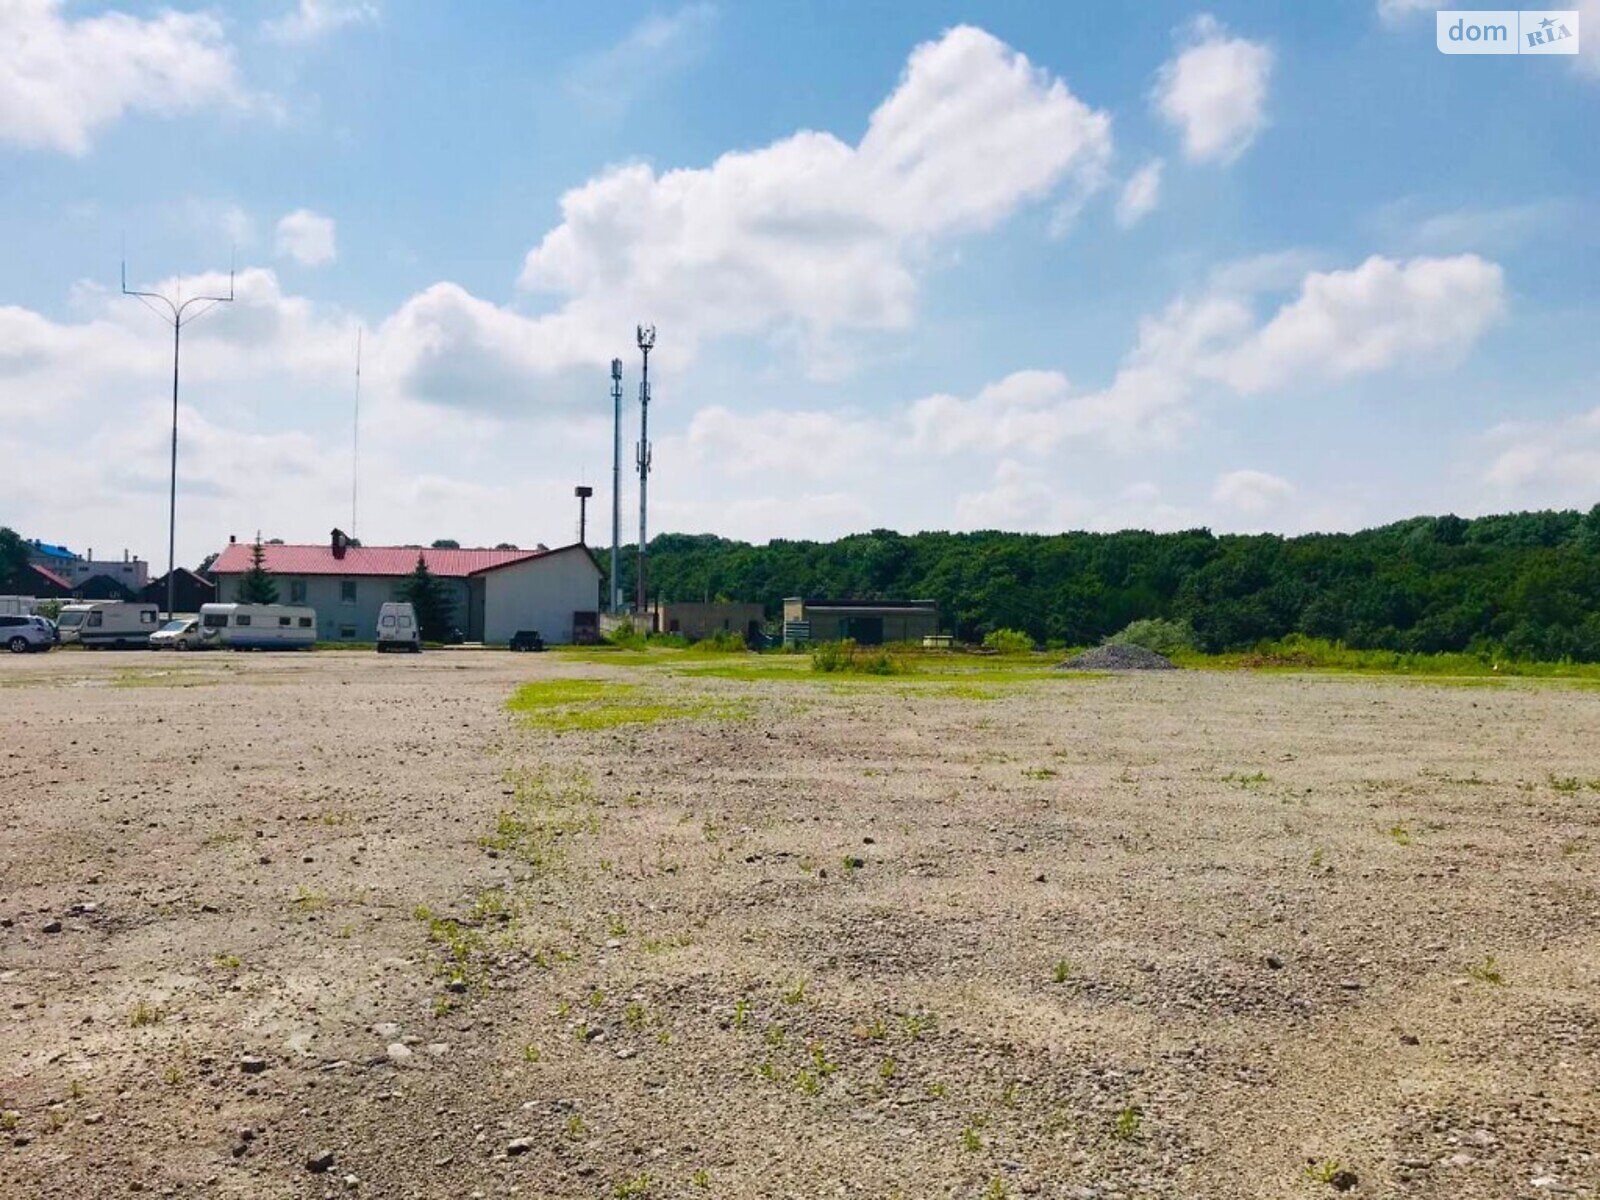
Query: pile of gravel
x=1118, y=658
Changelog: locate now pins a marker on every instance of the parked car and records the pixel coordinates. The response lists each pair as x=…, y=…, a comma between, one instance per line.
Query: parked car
x=21, y=635
x=398, y=628
x=180, y=634
x=527, y=639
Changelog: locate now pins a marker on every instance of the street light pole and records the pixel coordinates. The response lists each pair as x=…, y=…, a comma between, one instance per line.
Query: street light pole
x=616, y=481
x=177, y=315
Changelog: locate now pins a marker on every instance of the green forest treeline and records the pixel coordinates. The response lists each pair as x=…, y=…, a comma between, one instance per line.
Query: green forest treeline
x=1523, y=584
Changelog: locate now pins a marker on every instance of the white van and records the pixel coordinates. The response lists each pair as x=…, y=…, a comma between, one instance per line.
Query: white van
x=258, y=626
x=398, y=629
x=95, y=624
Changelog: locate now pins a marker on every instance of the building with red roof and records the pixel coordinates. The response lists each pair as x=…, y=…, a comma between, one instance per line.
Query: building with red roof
x=494, y=593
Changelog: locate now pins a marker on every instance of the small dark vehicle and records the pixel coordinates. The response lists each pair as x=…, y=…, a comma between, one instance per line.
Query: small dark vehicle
x=527, y=639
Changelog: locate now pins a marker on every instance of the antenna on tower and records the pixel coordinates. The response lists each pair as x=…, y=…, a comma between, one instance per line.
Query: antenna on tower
x=646, y=336
x=355, y=438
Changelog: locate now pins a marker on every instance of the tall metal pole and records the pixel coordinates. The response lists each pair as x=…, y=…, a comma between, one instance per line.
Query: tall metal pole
x=647, y=340
x=176, y=308
x=355, y=438
x=616, y=482
x=583, y=492
x=172, y=490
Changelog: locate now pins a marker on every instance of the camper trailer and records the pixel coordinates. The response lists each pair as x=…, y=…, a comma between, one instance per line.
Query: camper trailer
x=96, y=624
x=258, y=626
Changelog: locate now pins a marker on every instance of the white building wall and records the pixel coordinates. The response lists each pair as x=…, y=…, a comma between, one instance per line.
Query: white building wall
x=540, y=594
x=335, y=614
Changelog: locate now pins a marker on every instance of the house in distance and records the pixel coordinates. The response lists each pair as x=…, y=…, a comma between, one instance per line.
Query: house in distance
x=493, y=593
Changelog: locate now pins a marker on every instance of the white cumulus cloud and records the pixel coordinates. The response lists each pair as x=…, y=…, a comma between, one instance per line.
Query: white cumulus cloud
x=1215, y=91
x=811, y=232
x=1140, y=194
x=1251, y=491
x=309, y=20
x=62, y=79
x=307, y=237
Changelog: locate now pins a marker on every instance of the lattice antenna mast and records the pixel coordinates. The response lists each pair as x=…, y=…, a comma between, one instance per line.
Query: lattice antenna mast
x=646, y=336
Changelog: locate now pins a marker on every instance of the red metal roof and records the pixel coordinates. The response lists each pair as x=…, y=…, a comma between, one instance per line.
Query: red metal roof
x=50, y=577
x=365, y=560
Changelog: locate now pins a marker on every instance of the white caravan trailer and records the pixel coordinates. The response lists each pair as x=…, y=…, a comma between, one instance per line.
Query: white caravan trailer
x=18, y=606
x=258, y=626
x=95, y=624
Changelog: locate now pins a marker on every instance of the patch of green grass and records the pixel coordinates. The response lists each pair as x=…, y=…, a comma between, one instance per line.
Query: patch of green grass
x=595, y=704
x=1040, y=773
x=174, y=678
x=1246, y=781
x=1400, y=835
x=1571, y=783
x=228, y=962
x=1299, y=653
x=636, y=1186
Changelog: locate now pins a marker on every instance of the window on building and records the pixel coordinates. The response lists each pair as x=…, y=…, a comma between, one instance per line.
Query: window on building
x=347, y=591
x=297, y=591
x=348, y=632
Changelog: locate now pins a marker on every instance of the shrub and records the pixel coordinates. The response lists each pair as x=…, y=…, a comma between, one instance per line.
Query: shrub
x=1008, y=641
x=1158, y=634
x=724, y=641
x=846, y=656
x=626, y=636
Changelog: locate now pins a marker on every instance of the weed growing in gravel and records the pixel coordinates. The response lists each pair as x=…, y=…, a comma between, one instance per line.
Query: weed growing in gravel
x=639, y=1185
x=145, y=1014
x=741, y=1012
x=796, y=994
x=173, y=1075
x=531, y=1053
x=1040, y=773
x=1317, y=857
x=576, y=1127
x=1010, y=1094
x=228, y=962
x=886, y=1069
x=542, y=813
x=768, y=1070
x=1488, y=971
x=1246, y=781
x=10, y=1119
x=774, y=1035
x=308, y=900
x=1323, y=1171
x=875, y=1030
x=807, y=1082
x=1400, y=834
x=1062, y=971
x=701, y=1179
x=1125, y=1128
x=938, y=1090
x=916, y=1024
x=996, y=1189
x=1571, y=783
x=971, y=1139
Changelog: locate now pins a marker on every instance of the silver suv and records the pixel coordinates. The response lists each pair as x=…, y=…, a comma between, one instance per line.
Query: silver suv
x=22, y=634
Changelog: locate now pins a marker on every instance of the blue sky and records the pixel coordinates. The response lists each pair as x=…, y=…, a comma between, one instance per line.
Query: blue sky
x=913, y=265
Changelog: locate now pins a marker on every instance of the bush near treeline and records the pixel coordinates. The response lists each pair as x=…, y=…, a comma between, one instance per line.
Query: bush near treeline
x=1526, y=585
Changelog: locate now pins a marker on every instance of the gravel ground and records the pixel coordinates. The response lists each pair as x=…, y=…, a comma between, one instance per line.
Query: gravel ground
x=335, y=924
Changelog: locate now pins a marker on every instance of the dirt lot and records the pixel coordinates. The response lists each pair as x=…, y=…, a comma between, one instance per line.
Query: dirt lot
x=278, y=926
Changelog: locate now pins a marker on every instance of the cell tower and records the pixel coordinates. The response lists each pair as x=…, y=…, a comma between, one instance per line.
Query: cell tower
x=616, y=482
x=646, y=335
